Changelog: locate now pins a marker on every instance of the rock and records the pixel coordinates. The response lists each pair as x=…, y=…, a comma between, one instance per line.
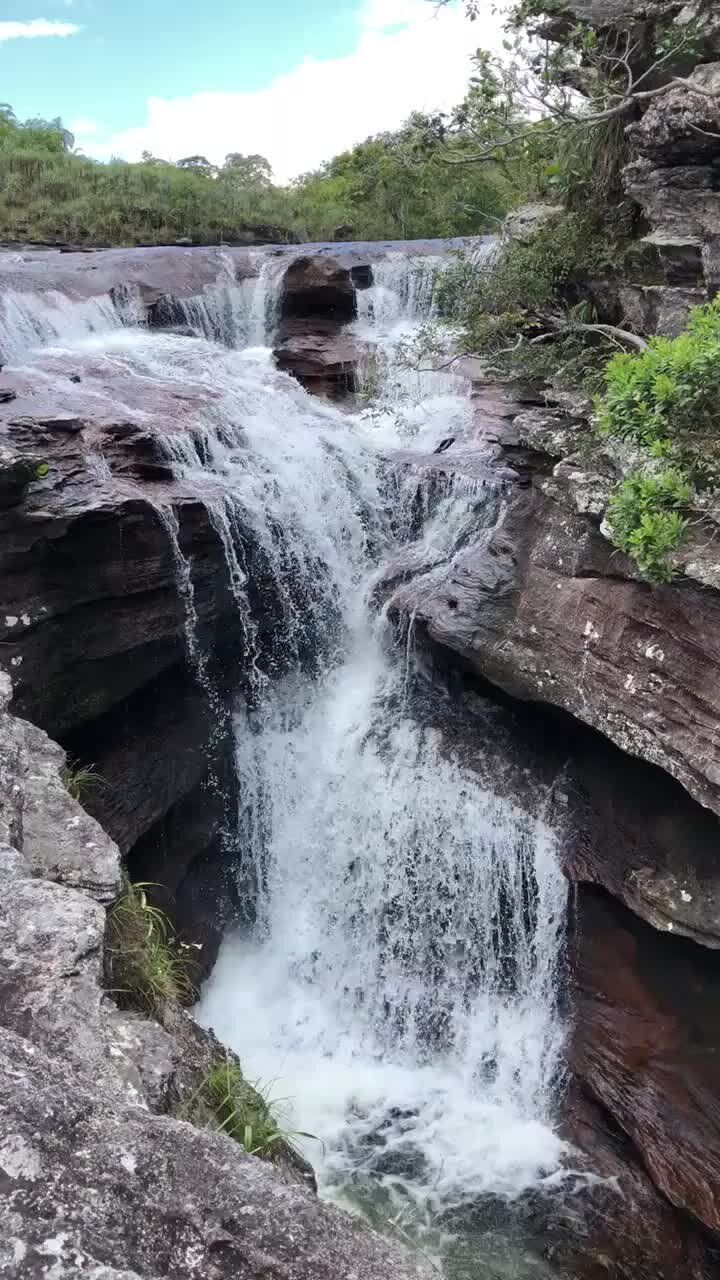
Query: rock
x=319, y=361
x=679, y=201
x=592, y=1230
x=524, y=223
x=545, y=609
x=318, y=300
x=318, y=286
x=89, y=1184
x=55, y=827
x=93, y=1173
x=666, y=258
x=645, y=1045
x=681, y=127
x=632, y=830
x=16, y=473
x=663, y=309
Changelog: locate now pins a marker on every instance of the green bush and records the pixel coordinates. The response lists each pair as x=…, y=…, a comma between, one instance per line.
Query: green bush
x=669, y=393
x=644, y=515
x=533, y=283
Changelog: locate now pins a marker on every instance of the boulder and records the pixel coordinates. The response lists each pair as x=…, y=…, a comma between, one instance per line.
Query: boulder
x=525, y=223
x=91, y=1185
x=318, y=286
x=318, y=300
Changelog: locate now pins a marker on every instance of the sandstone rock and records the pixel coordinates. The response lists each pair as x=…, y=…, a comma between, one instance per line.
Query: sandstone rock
x=318, y=300
x=593, y=1231
x=645, y=1046
x=317, y=286
x=544, y=608
x=681, y=127
x=661, y=309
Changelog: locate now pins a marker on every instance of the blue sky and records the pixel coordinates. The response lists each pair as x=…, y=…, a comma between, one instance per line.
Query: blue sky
x=294, y=79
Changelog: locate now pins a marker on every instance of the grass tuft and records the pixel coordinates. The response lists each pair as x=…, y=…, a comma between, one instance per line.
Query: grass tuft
x=79, y=779
x=148, y=966
x=244, y=1111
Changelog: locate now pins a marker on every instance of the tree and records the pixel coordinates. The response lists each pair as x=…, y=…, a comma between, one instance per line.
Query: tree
x=567, y=77
x=199, y=164
x=242, y=172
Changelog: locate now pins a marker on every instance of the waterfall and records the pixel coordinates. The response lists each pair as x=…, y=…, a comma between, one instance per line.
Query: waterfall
x=31, y=320
x=236, y=313
x=399, y=985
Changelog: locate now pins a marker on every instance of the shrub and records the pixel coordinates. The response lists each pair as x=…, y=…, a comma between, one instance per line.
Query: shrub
x=147, y=964
x=669, y=392
x=500, y=308
x=645, y=520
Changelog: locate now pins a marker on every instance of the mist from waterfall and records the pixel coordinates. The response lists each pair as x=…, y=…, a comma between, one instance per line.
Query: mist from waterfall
x=399, y=983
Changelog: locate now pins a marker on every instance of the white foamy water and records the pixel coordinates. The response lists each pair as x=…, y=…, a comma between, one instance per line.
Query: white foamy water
x=400, y=985
x=236, y=313
x=29, y=321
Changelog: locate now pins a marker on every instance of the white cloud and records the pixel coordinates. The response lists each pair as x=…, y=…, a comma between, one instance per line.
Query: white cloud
x=36, y=27
x=81, y=127
x=408, y=56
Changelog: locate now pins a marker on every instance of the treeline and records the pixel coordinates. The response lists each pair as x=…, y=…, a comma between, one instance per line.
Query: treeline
x=397, y=185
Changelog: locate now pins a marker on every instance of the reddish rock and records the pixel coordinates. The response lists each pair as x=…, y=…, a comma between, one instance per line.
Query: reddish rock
x=646, y=1046
x=318, y=301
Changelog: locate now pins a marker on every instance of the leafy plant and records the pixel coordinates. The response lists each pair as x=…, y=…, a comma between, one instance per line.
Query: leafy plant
x=644, y=515
x=147, y=964
x=671, y=391
x=243, y=1111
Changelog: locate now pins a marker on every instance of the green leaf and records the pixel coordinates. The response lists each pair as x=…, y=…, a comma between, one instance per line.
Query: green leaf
x=41, y=470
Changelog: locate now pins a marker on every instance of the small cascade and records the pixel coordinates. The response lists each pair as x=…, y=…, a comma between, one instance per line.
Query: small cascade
x=236, y=314
x=32, y=320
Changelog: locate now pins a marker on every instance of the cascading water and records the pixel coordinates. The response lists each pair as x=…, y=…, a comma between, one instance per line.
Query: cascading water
x=236, y=313
x=400, y=982
x=30, y=320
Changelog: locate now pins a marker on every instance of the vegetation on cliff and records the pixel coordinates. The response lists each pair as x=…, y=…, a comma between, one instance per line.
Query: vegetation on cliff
x=664, y=403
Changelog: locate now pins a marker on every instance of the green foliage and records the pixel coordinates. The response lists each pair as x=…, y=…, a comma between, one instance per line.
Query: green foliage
x=392, y=186
x=148, y=967
x=241, y=1110
x=77, y=778
x=587, y=172
x=401, y=186
x=645, y=519
x=671, y=392
x=502, y=313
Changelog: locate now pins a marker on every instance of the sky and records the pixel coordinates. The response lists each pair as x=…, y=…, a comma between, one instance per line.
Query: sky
x=296, y=80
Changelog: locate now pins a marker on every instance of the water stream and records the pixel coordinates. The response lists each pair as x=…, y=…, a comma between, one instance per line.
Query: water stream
x=399, y=985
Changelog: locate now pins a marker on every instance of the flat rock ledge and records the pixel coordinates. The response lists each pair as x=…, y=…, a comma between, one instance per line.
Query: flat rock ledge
x=97, y=1180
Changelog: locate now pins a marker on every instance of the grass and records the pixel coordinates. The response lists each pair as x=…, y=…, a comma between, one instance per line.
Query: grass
x=79, y=779
x=243, y=1111
x=148, y=966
